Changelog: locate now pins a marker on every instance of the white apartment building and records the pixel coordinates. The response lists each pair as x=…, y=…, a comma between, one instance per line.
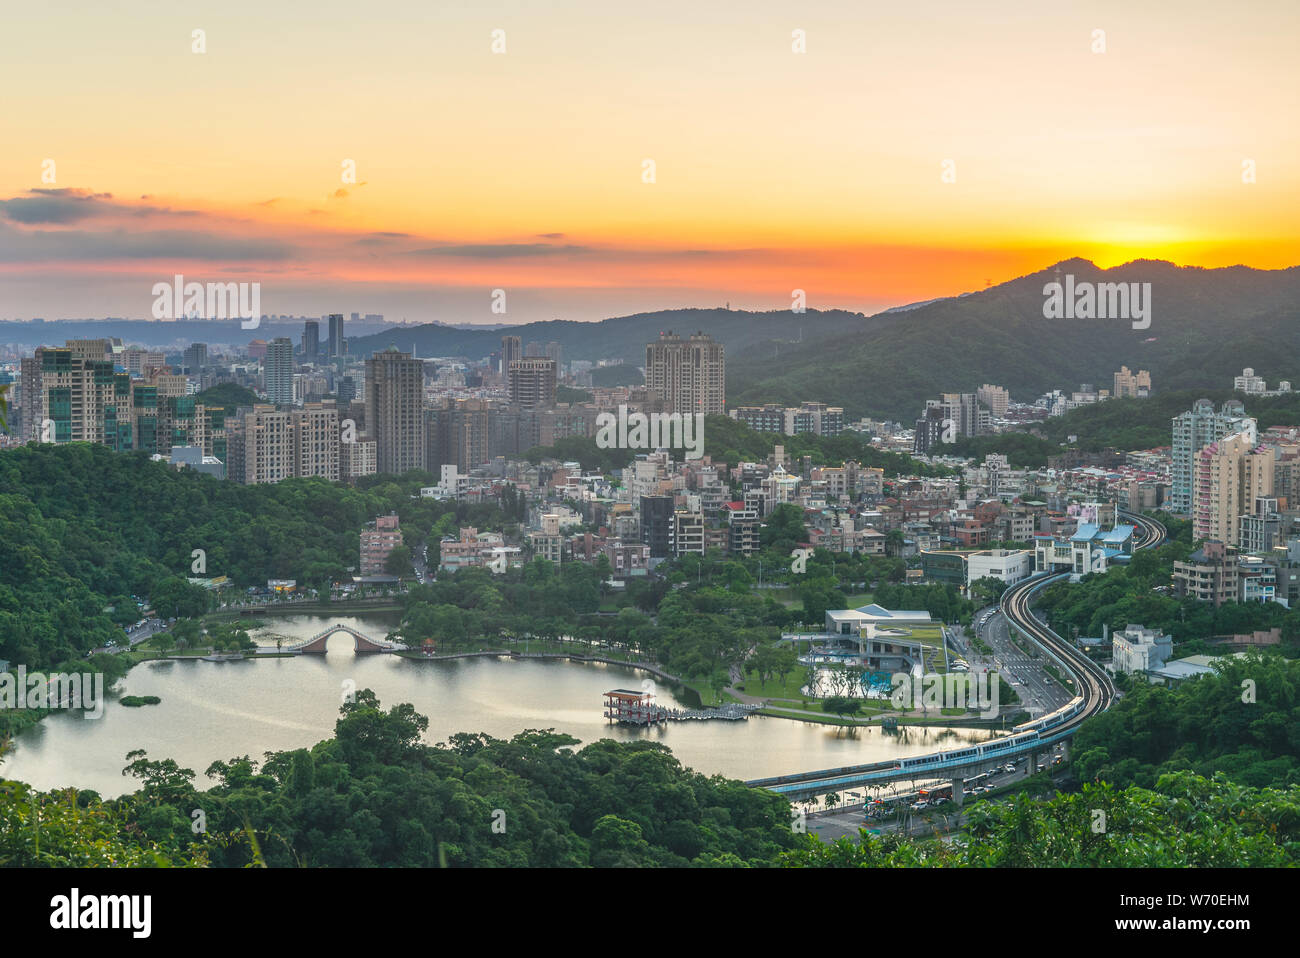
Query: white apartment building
x=1139, y=649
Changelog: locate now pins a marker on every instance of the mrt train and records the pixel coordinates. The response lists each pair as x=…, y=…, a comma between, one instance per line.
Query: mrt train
x=1022, y=734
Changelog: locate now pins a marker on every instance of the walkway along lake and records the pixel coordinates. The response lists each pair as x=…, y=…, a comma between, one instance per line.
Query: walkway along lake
x=212, y=711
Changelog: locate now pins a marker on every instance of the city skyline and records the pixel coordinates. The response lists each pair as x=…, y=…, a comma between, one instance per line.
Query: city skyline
x=429, y=171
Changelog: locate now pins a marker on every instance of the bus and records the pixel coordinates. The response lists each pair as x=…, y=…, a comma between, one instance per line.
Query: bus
x=935, y=794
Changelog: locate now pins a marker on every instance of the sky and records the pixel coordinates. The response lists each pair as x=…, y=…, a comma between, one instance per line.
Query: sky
x=903, y=155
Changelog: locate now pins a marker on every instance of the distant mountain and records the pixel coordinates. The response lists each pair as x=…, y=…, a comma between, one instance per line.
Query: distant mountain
x=624, y=337
x=28, y=334
x=1206, y=325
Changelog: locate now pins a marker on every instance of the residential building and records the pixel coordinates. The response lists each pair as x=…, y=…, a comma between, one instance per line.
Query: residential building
x=1231, y=474
x=657, y=525
x=996, y=398
x=690, y=375
x=269, y=444
x=532, y=382
x=395, y=410
x=1132, y=385
x=1139, y=649
x=279, y=369
x=1262, y=528
x=378, y=540
x=356, y=459
x=1209, y=574
x=688, y=533
x=194, y=358
x=1192, y=432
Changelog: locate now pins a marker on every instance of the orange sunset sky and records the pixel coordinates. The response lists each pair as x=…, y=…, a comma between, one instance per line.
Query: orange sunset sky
x=523, y=170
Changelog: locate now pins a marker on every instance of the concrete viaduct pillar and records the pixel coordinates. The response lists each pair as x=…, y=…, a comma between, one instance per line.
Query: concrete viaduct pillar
x=958, y=784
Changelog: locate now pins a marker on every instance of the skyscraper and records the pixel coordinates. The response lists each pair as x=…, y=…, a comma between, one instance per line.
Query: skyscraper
x=337, y=344
x=691, y=374
x=310, y=340
x=532, y=382
x=510, y=351
x=1192, y=432
x=395, y=410
x=278, y=369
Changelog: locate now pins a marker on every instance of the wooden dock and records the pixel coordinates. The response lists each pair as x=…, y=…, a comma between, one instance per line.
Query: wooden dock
x=629, y=707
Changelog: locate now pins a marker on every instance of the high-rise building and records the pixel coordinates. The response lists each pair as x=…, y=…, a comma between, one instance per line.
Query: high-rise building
x=995, y=397
x=1232, y=474
x=532, y=382
x=395, y=410
x=142, y=362
x=657, y=525
x=458, y=433
x=195, y=358
x=278, y=368
x=346, y=389
x=69, y=398
x=556, y=352
x=690, y=375
x=337, y=343
x=1192, y=432
x=310, y=341
x=929, y=429
x=268, y=444
x=356, y=459
x=510, y=351
x=951, y=417
x=1132, y=385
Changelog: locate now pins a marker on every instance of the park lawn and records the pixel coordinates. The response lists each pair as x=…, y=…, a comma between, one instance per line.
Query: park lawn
x=774, y=687
x=859, y=600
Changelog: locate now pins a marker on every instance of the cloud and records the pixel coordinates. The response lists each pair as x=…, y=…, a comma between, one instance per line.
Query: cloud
x=499, y=250
x=61, y=246
x=380, y=238
x=55, y=206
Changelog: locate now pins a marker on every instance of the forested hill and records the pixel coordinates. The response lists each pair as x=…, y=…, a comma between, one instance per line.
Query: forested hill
x=625, y=337
x=1206, y=324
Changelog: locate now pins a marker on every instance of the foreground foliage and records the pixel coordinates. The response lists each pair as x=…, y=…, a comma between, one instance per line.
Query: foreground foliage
x=1186, y=821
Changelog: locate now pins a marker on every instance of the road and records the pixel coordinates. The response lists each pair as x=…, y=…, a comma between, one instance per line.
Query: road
x=1038, y=691
x=845, y=822
x=134, y=637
